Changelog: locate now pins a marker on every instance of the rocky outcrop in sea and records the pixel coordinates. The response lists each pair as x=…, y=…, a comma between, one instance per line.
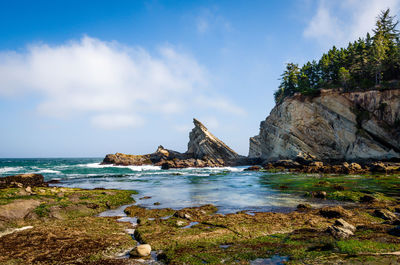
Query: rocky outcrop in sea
x=333, y=126
x=204, y=150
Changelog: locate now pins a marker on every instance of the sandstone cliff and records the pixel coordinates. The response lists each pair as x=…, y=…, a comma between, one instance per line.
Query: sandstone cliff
x=332, y=126
x=204, y=150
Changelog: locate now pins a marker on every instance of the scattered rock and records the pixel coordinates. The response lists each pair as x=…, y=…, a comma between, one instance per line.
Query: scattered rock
x=289, y=164
x=342, y=223
x=28, y=189
x=145, y=198
x=385, y=214
x=141, y=251
x=368, y=199
x=317, y=164
x=304, y=207
x=334, y=212
x=319, y=194
x=18, y=209
x=377, y=167
x=395, y=231
x=157, y=203
x=341, y=229
x=180, y=223
x=253, y=168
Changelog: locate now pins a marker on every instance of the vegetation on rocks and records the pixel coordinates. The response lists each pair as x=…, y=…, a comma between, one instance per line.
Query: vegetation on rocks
x=63, y=227
x=369, y=61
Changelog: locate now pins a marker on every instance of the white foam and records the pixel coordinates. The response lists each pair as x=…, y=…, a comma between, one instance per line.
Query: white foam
x=48, y=171
x=232, y=169
x=144, y=168
x=10, y=169
x=133, y=168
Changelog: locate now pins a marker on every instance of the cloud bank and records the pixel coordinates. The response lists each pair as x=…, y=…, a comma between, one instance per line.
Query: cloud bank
x=115, y=85
x=339, y=22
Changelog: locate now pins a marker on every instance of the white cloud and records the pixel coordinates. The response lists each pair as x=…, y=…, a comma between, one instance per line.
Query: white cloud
x=339, y=22
x=115, y=121
x=221, y=104
x=210, y=122
x=99, y=79
x=209, y=20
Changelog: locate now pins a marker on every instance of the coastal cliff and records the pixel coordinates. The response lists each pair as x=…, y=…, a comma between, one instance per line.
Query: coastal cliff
x=333, y=126
x=204, y=150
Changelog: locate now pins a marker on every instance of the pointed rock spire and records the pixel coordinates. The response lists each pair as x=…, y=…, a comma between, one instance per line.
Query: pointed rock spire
x=202, y=144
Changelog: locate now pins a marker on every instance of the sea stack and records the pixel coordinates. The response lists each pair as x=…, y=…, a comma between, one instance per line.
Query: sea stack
x=204, y=150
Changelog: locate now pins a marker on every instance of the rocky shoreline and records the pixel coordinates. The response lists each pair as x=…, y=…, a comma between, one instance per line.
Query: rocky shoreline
x=50, y=225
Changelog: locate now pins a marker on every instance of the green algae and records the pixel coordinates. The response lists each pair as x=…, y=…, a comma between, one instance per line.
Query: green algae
x=338, y=187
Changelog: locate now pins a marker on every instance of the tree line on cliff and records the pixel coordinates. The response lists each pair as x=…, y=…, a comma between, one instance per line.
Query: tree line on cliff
x=367, y=63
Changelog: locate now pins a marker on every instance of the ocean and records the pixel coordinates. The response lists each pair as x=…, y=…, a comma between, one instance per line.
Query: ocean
x=231, y=189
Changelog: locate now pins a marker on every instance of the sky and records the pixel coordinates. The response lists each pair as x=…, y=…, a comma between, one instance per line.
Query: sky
x=88, y=78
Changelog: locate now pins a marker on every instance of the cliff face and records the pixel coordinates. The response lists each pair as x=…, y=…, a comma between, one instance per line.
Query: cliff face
x=202, y=143
x=332, y=126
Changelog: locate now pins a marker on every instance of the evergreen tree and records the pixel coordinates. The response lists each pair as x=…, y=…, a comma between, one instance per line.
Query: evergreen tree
x=363, y=63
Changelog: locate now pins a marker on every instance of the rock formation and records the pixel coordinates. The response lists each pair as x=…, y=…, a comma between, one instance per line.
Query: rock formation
x=202, y=144
x=204, y=150
x=23, y=180
x=334, y=126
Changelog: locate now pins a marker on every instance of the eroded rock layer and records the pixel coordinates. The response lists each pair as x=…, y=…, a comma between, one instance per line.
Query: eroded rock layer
x=332, y=126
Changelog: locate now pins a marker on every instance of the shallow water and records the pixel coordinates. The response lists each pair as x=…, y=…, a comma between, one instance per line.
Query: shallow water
x=231, y=189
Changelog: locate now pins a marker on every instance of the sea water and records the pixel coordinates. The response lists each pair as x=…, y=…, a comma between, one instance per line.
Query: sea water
x=231, y=189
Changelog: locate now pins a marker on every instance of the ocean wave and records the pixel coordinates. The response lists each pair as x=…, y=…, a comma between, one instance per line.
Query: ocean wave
x=51, y=171
x=10, y=169
x=133, y=168
x=231, y=169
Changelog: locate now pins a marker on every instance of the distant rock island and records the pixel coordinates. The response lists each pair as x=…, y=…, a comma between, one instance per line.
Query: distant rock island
x=204, y=150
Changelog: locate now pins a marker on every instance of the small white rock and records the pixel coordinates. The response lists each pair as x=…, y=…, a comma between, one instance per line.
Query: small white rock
x=141, y=251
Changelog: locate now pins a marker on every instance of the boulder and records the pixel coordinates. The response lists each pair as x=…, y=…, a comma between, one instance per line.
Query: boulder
x=395, y=231
x=368, y=199
x=143, y=250
x=18, y=209
x=341, y=229
x=319, y=194
x=385, y=214
x=334, y=212
x=253, y=168
x=304, y=207
x=289, y=164
x=23, y=180
x=342, y=223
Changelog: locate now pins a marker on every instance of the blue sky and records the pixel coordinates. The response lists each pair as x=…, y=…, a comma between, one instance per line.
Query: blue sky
x=86, y=78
